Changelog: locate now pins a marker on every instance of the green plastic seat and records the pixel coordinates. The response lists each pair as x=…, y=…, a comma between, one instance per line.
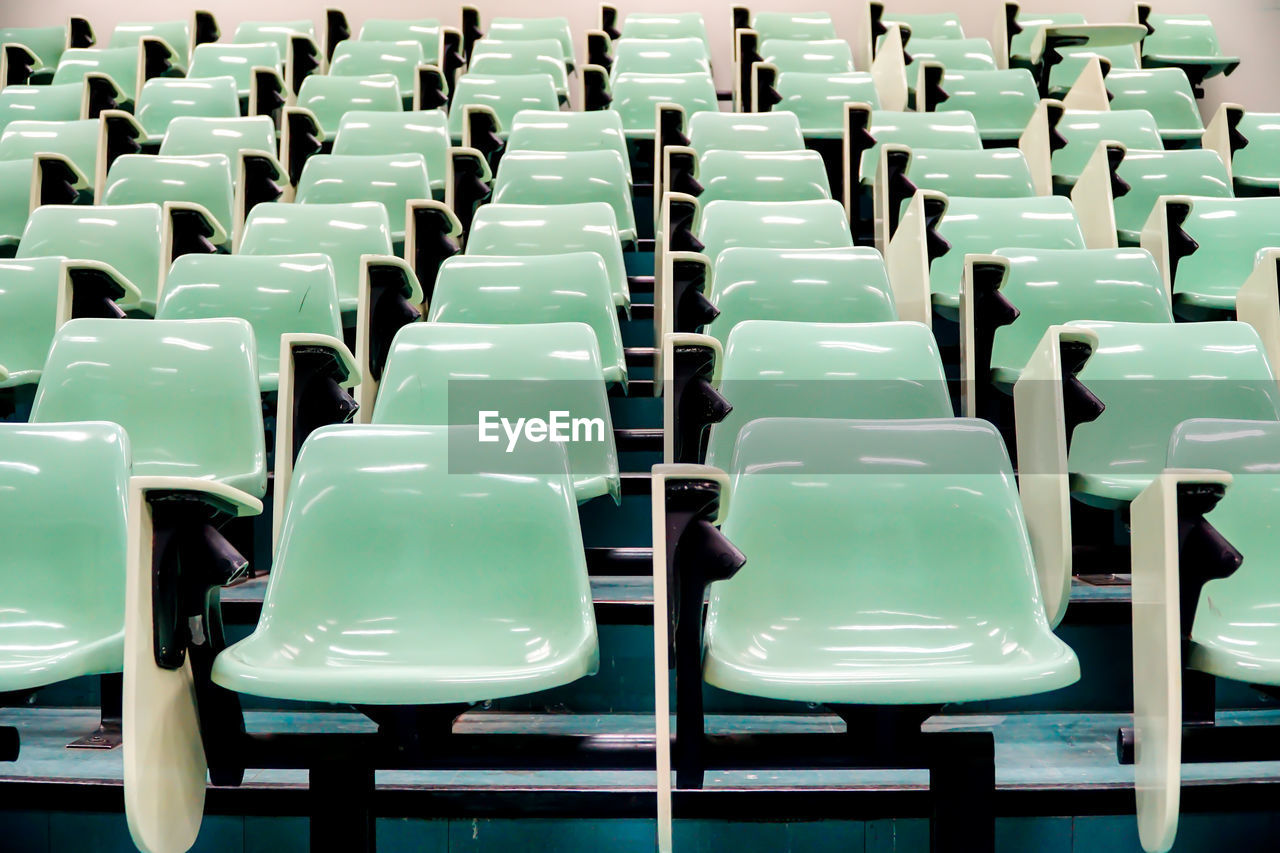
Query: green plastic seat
x=799, y=285
x=277, y=295
x=1151, y=174
x=636, y=98
x=118, y=63
x=1032, y=23
x=986, y=173
x=369, y=58
x=330, y=98
x=126, y=236
x=778, y=130
x=982, y=225
x=16, y=178
x=29, y=314
x=273, y=32
x=176, y=34
x=392, y=180
x=424, y=132
x=164, y=99
x=505, y=289
x=192, y=136
x=953, y=54
x=773, y=225
x=762, y=176
x=954, y=131
x=915, y=589
x=660, y=56
x=236, y=61
x=446, y=611
x=40, y=103
x=186, y=391
x=344, y=232
x=146, y=178
x=561, y=177
x=75, y=140
x=47, y=43
x=1187, y=42
x=1152, y=377
x=1054, y=286
x=1001, y=102
x=1084, y=129
x=1229, y=234
x=1255, y=168
x=798, y=26
x=1063, y=75
x=556, y=130
x=830, y=56
x=664, y=26
x=425, y=31
x=535, y=29
x=1165, y=93
x=491, y=57
x=65, y=486
x=777, y=368
x=552, y=229
x=506, y=95
x=818, y=100
x=938, y=25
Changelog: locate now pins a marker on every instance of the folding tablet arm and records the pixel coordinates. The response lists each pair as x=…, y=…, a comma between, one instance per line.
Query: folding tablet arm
x=1095, y=193
x=911, y=251
x=889, y=69
x=983, y=310
x=1049, y=402
x=691, y=401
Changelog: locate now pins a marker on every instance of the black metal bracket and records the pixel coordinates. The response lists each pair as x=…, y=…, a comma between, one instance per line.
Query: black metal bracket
x=336, y=30
x=94, y=293
x=390, y=310
x=683, y=165
x=318, y=396
x=991, y=310
x=1079, y=404
x=688, y=296
x=433, y=242
x=697, y=404
x=110, y=731
x=680, y=237
x=471, y=31
x=1180, y=244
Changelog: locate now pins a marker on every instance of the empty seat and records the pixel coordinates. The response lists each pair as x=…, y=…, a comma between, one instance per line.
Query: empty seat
x=163, y=99
x=550, y=177
x=555, y=130
x=424, y=132
x=778, y=130
x=1255, y=165
x=660, y=56
x=818, y=100
x=1084, y=129
x=775, y=368
x=525, y=29
x=369, y=58
x=552, y=229
x=1001, y=102
x=392, y=180
x=1163, y=92
x=830, y=56
x=205, y=180
x=773, y=225
x=330, y=98
x=799, y=26
x=504, y=96
x=236, y=61
x=1187, y=42
x=491, y=57
x=636, y=97
x=762, y=176
x=425, y=31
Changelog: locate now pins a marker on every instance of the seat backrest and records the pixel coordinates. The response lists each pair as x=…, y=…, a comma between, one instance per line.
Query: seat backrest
x=424, y=132
x=1151, y=174
x=665, y=26
x=535, y=28
x=829, y=56
x=1032, y=23
x=40, y=103
x=126, y=236
x=162, y=99
x=273, y=32
x=818, y=100
x=1064, y=75
x=1257, y=161
x=192, y=136
x=76, y=140
x=560, y=177
x=153, y=179
x=1164, y=92
x=799, y=26
x=804, y=285
x=552, y=229
x=956, y=131
x=568, y=288
x=389, y=179
x=1001, y=102
x=329, y=98
x=762, y=176
x=636, y=97
x=1181, y=35
x=506, y=95
x=1152, y=377
x=28, y=317
x=773, y=225
x=660, y=56
x=532, y=56
x=960, y=54
x=778, y=130
x=1084, y=129
x=1229, y=233
x=65, y=486
x=775, y=368
x=366, y=58
x=425, y=31
x=186, y=392
x=277, y=294
x=555, y=130
x=450, y=373
x=344, y=232
x=981, y=173
x=118, y=63
x=236, y=61
x=47, y=43
x=936, y=25
x=1054, y=286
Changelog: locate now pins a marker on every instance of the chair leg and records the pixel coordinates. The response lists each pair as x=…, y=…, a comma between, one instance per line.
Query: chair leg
x=342, y=809
x=108, y=734
x=962, y=780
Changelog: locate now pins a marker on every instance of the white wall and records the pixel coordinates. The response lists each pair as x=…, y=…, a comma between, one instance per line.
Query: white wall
x=1247, y=28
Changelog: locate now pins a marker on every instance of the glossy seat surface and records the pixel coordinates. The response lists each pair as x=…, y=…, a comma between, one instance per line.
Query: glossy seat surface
x=506, y=95
x=277, y=294
x=424, y=132
x=1084, y=129
x=818, y=100
x=40, y=103
x=778, y=130
x=126, y=236
x=982, y=225
x=152, y=179
x=1235, y=633
x=818, y=224
x=1151, y=174
x=636, y=97
x=1229, y=233
x=1255, y=166
x=75, y=140
x=366, y=58
x=799, y=26
x=1182, y=41
x=1151, y=377
x=65, y=487
x=982, y=173
x=273, y=32
x=561, y=177
x=664, y=25
x=424, y=31
x=779, y=369
x=971, y=54
x=391, y=180
x=344, y=232
x=660, y=56
x=1165, y=93
x=1001, y=102
x=229, y=136
x=568, y=288
x=762, y=176
x=556, y=130
x=1054, y=286
x=236, y=61
x=915, y=589
x=552, y=229
x=805, y=285
x=449, y=612
x=957, y=131
x=118, y=63
x=329, y=98
x=453, y=373
x=828, y=56
x=520, y=56
x=186, y=391
x=536, y=29
x=47, y=43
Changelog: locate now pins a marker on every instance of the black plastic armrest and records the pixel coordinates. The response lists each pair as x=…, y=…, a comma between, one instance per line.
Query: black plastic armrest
x=59, y=182
x=899, y=187
x=80, y=33
x=192, y=230
x=269, y=96
x=157, y=58
x=121, y=135
x=991, y=310
x=1011, y=25
x=748, y=50
x=431, y=90
x=452, y=57
x=683, y=165
x=609, y=21
x=261, y=175
x=763, y=90
x=206, y=29
x=1079, y=404
x=930, y=91
x=435, y=238
x=696, y=402
x=305, y=54
x=595, y=88
x=94, y=292
x=599, y=49
x=318, y=396
x=336, y=30
x=100, y=95
x=1180, y=243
